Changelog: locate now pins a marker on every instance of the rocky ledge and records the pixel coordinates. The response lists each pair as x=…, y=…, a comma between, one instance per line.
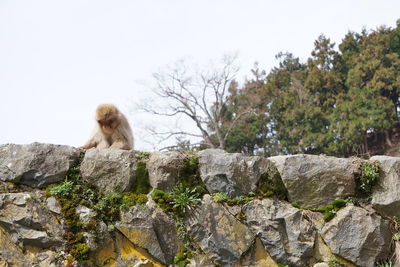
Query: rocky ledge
x=61, y=206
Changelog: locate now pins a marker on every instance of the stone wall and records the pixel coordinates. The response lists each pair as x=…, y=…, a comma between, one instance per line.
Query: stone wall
x=60, y=206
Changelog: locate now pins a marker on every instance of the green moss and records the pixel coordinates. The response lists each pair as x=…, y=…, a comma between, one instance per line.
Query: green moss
x=241, y=216
x=182, y=258
x=189, y=175
x=369, y=174
x=240, y=200
x=296, y=205
x=331, y=210
x=220, y=197
x=80, y=252
x=108, y=207
x=141, y=184
x=270, y=184
x=334, y=262
x=132, y=199
x=163, y=200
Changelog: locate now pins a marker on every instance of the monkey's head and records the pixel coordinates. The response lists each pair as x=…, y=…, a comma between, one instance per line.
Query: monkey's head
x=107, y=116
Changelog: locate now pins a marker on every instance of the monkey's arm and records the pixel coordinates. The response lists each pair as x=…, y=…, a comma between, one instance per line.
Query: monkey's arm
x=89, y=144
x=120, y=144
x=93, y=140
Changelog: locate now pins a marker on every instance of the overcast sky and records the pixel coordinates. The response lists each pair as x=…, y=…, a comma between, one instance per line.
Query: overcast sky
x=60, y=59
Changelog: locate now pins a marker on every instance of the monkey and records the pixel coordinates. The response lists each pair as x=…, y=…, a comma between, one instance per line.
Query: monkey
x=112, y=129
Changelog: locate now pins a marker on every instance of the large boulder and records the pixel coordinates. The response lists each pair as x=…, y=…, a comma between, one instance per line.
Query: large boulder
x=358, y=236
x=218, y=233
x=36, y=164
x=109, y=170
x=286, y=233
x=29, y=222
x=231, y=173
x=386, y=193
x=164, y=169
x=150, y=228
x=315, y=181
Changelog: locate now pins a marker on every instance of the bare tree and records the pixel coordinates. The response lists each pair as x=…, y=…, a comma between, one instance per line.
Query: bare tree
x=199, y=95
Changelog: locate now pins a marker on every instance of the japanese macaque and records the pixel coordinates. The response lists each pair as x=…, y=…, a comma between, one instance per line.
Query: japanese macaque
x=112, y=129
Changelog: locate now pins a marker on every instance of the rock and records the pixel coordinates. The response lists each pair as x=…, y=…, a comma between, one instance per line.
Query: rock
x=110, y=170
x=150, y=228
x=321, y=264
x=164, y=169
x=286, y=233
x=385, y=196
x=36, y=165
x=29, y=222
x=84, y=213
x=231, y=173
x=315, y=181
x=10, y=254
x=257, y=256
x=52, y=205
x=358, y=236
x=219, y=235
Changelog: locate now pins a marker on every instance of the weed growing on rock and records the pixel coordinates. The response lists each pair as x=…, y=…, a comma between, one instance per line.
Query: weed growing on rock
x=184, y=199
x=178, y=203
x=368, y=177
x=64, y=189
x=331, y=210
x=220, y=197
x=142, y=184
x=189, y=175
x=270, y=184
x=385, y=264
x=73, y=192
x=333, y=262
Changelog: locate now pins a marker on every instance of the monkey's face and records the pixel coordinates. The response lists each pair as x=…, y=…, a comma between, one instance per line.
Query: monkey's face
x=107, y=126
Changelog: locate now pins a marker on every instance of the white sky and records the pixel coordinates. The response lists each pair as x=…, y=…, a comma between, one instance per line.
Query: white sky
x=60, y=59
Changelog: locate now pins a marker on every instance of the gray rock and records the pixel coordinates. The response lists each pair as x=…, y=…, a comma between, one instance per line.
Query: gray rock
x=150, y=228
x=29, y=222
x=84, y=213
x=53, y=205
x=386, y=193
x=110, y=170
x=36, y=164
x=164, y=168
x=358, y=236
x=231, y=173
x=219, y=235
x=287, y=233
x=315, y=181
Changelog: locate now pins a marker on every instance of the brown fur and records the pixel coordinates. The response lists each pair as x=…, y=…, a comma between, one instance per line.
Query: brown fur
x=112, y=129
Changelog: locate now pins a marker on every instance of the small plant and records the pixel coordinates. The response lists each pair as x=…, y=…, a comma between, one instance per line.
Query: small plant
x=240, y=200
x=369, y=176
x=220, y=197
x=331, y=210
x=184, y=198
x=64, y=189
x=282, y=265
x=295, y=205
x=396, y=237
x=385, y=264
x=182, y=258
x=333, y=262
x=270, y=184
x=241, y=216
